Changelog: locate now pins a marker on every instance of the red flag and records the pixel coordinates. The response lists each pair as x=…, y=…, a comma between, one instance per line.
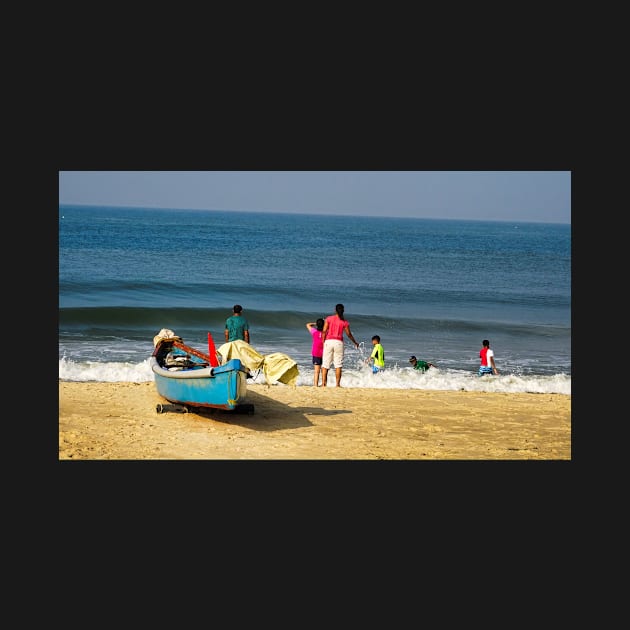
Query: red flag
x=212, y=352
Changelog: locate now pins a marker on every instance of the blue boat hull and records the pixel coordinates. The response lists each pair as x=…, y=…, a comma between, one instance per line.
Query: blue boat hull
x=221, y=387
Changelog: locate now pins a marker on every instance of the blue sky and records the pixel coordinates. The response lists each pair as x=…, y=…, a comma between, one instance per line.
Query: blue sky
x=538, y=196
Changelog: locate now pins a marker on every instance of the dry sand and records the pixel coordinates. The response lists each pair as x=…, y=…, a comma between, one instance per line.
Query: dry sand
x=119, y=421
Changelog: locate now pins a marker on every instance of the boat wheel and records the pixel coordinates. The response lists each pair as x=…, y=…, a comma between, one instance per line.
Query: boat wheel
x=164, y=408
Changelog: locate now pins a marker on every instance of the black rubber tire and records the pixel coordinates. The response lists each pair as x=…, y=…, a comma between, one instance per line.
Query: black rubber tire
x=164, y=408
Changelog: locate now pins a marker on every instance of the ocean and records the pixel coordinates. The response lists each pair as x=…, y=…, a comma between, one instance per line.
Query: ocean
x=429, y=287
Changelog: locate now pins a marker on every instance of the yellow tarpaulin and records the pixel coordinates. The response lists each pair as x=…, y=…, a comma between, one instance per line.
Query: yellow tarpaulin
x=277, y=366
x=280, y=367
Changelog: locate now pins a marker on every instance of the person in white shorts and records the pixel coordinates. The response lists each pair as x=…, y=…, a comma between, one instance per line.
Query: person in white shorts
x=334, y=328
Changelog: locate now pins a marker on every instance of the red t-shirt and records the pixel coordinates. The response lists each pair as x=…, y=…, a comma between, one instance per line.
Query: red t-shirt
x=336, y=327
x=485, y=354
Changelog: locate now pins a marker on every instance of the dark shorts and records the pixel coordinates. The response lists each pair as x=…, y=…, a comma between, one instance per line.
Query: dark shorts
x=317, y=360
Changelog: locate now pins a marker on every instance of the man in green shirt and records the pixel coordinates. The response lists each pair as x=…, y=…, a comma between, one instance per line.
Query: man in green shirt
x=236, y=326
x=423, y=366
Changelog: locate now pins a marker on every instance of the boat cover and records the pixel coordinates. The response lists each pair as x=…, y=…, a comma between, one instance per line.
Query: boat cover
x=277, y=366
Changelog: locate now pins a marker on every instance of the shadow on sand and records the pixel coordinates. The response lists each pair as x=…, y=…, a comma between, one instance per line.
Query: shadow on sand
x=268, y=414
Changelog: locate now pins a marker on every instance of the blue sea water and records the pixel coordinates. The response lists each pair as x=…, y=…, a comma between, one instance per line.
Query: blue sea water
x=428, y=287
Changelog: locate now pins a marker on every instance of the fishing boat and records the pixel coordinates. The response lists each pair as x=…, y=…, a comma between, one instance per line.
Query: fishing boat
x=190, y=378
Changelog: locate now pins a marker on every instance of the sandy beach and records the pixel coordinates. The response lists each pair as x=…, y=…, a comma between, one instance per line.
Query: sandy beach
x=119, y=421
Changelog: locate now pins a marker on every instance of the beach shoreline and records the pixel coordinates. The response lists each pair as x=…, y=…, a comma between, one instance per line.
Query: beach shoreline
x=119, y=421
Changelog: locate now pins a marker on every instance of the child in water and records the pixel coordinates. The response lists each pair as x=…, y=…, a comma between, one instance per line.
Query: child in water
x=377, y=358
x=422, y=366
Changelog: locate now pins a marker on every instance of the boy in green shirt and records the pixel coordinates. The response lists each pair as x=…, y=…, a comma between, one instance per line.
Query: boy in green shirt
x=423, y=366
x=377, y=358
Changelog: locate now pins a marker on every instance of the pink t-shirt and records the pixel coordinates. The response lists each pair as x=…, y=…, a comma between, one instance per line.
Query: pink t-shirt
x=336, y=327
x=318, y=345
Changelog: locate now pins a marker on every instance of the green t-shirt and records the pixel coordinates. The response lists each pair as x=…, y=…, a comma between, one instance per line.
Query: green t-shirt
x=421, y=365
x=236, y=325
x=378, y=354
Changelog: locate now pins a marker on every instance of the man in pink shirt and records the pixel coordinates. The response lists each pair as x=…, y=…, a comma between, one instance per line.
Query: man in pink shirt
x=334, y=327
